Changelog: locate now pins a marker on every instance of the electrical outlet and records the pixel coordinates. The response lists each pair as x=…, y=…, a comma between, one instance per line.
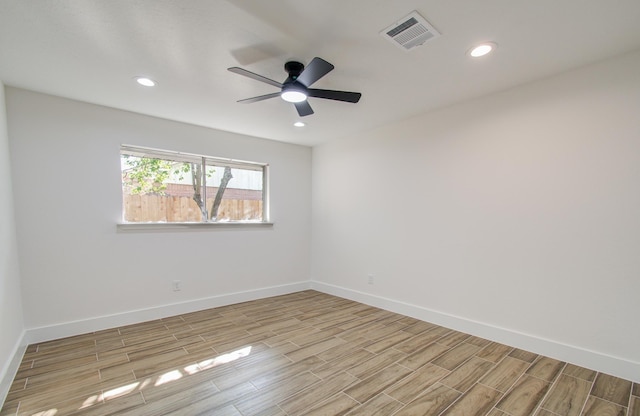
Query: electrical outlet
x=370, y=277
x=176, y=285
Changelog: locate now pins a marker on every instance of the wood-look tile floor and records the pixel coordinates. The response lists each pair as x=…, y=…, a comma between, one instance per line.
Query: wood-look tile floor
x=306, y=353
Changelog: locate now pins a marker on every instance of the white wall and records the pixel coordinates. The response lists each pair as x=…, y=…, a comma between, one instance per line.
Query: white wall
x=76, y=266
x=11, y=320
x=516, y=216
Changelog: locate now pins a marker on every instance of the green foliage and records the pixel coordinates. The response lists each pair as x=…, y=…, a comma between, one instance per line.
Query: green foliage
x=190, y=168
x=145, y=175
x=181, y=170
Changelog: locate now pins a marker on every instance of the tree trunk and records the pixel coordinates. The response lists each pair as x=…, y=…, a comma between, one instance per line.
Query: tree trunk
x=226, y=177
x=196, y=181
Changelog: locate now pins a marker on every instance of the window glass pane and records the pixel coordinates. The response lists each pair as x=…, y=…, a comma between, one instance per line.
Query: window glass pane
x=234, y=194
x=161, y=190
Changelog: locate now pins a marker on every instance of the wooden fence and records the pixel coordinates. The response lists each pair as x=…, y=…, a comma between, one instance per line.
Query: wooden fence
x=155, y=208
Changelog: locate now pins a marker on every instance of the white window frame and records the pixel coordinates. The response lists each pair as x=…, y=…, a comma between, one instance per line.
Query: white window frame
x=205, y=161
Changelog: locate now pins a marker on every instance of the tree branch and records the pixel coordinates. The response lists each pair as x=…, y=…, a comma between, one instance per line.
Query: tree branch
x=226, y=177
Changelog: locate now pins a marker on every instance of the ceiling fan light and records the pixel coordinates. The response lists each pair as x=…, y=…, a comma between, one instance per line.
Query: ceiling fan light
x=293, y=96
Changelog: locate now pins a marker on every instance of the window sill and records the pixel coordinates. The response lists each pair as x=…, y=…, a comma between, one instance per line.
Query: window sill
x=167, y=226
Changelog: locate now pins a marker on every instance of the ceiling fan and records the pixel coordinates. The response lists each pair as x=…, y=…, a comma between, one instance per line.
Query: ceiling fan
x=295, y=89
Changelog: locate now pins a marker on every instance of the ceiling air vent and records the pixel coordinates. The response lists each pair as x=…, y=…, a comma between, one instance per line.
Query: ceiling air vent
x=411, y=31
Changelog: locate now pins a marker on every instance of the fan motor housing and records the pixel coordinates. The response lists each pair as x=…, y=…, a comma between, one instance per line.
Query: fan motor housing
x=294, y=69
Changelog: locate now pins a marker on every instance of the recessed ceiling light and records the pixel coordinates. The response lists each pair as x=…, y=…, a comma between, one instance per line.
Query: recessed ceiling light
x=482, y=49
x=147, y=82
x=299, y=124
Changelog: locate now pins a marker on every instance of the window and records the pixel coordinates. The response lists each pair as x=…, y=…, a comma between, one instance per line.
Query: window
x=160, y=186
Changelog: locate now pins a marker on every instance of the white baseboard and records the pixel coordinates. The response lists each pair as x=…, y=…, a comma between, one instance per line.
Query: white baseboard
x=10, y=368
x=67, y=329
x=594, y=360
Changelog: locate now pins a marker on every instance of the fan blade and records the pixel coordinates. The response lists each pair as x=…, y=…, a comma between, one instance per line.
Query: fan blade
x=259, y=98
x=255, y=76
x=314, y=71
x=350, y=97
x=304, y=109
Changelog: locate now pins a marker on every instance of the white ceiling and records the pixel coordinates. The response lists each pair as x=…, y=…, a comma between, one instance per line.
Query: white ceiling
x=90, y=50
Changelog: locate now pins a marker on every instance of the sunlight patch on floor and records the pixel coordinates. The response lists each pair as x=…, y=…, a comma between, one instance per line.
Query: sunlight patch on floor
x=49, y=412
x=221, y=359
x=165, y=378
x=119, y=391
x=90, y=401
